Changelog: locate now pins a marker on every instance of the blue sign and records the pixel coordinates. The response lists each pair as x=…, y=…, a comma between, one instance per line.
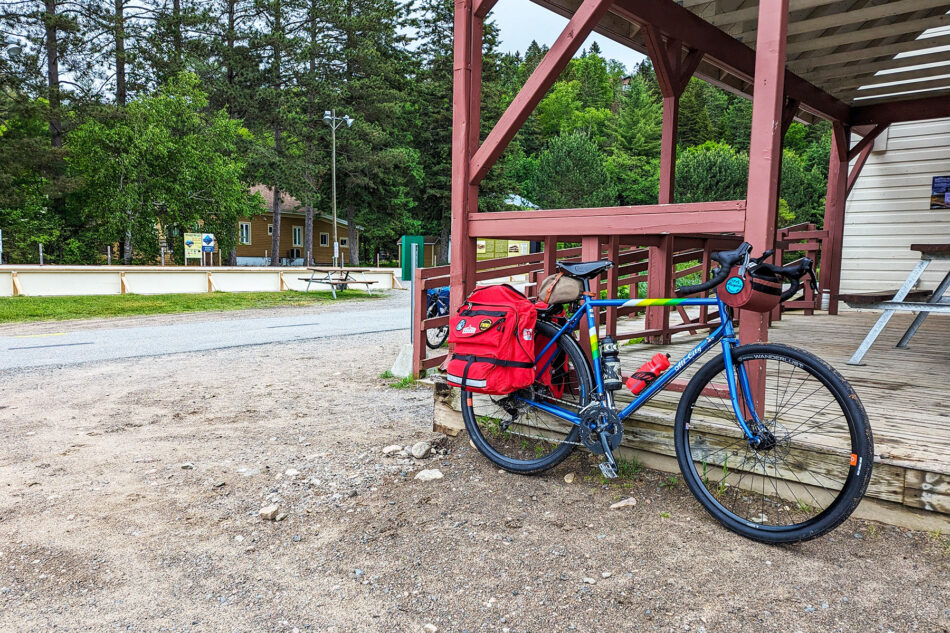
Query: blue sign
x=207, y=243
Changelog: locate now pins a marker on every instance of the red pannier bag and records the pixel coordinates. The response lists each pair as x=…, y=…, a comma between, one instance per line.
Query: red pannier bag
x=493, y=338
x=554, y=361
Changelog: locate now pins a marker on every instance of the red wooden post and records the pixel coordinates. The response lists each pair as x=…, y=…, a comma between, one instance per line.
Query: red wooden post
x=673, y=73
x=765, y=147
x=550, y=254
x=765, y=163
x=613, y=281
x=835, y=198
x=590, y=251
x=462, y=270
x=418, y=316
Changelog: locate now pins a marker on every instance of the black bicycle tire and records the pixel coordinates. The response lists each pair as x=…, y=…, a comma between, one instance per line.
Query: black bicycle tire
x=443, y=332
x=862, y=443
x=531, y=467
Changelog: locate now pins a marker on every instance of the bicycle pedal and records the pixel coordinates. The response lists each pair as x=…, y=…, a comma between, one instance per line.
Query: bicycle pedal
x=609, y=470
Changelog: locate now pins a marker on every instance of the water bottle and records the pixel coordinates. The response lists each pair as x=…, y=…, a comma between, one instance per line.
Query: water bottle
x=648, y=372
x=610, y=363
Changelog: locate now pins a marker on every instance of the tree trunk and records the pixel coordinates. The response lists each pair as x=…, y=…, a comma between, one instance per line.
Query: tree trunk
x=351, y=236
x=179, y=46
x=121, y=95
x=232, y=257
x=308, y=235
x=275, y=238
x=444, y=239
x=127, y=247
x=52, y=74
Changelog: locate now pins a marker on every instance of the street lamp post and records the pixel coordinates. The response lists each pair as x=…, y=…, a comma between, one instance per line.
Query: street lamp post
x=334, y=122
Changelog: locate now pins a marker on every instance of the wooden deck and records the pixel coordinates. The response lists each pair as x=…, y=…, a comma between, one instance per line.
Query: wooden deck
x=906, y=393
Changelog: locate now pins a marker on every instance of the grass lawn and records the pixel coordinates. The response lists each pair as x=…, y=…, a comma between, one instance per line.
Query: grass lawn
x=18, y=309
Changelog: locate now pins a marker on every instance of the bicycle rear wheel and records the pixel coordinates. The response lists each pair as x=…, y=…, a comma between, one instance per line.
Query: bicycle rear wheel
x=810, y=470
x=522, y=438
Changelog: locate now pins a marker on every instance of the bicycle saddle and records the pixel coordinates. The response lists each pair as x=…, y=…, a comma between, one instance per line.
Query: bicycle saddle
x=585, y=270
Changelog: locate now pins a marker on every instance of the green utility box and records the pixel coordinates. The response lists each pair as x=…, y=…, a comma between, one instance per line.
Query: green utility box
x=406, y=254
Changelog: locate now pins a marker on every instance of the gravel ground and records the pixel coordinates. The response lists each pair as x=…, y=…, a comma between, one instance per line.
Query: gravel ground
x=131, y=492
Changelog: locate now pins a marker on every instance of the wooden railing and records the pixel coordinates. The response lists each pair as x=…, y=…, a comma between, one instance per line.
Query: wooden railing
x=806, y=239
x=631, y=269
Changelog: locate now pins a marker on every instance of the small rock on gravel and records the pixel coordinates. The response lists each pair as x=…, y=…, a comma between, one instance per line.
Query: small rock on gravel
x=590, y=581
x=291, y=472
x=420, y=449
x=429, y=475
x=392, y=449
x=430, y=628
x=569, y=478
x=623, y=503
x=187, y=466
x=269, y=513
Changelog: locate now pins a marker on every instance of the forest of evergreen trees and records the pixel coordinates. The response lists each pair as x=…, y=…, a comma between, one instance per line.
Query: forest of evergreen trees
x=123, y=118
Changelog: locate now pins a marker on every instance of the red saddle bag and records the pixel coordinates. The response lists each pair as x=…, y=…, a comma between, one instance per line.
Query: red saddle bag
x=493, y=339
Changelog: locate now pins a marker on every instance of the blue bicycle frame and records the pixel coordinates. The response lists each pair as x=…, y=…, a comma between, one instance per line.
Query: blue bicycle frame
x=725, y=334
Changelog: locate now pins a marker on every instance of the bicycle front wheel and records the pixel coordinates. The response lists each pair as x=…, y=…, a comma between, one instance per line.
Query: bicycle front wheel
x=812, y=463
x=522, y=438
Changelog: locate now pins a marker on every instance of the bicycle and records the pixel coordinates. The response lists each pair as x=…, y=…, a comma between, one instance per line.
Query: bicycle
x=770, y=439
x=437, y=300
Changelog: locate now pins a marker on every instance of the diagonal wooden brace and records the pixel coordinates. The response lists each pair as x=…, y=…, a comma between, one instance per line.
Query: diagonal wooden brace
x=543, y=77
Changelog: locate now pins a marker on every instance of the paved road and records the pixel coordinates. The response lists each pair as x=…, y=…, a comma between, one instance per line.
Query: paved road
x=84, y=345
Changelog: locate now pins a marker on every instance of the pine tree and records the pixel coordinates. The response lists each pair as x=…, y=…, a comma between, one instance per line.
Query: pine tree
x=694, y=125
x=639, y=126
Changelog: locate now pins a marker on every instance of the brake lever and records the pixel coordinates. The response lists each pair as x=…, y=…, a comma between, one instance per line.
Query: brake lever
x=764, y=256
x=745, y=263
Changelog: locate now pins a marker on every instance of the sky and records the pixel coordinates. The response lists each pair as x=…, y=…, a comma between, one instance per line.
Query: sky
x=521, y=21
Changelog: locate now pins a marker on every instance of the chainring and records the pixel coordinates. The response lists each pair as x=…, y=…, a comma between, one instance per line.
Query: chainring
x=605, y=420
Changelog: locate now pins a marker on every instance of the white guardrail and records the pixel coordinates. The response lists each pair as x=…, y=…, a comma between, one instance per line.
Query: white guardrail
x=33, y=280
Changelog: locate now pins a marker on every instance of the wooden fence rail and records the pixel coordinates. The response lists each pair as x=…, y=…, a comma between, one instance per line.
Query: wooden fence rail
x=691, y=256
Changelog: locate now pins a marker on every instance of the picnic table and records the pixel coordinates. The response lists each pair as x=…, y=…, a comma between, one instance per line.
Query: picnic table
x=338, y=277
x=905, y=299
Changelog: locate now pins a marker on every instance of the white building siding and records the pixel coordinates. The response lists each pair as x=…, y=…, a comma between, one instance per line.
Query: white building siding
x=889, y=208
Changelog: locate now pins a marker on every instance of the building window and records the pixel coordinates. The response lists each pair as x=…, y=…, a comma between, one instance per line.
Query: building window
x=270, y=229
x=245, y=233
x=344, y=242
x=324, y=239
x=298, y=236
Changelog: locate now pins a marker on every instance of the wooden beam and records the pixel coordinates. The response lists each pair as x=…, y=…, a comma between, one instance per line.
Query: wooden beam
x=883, y=90
x=855, y=170
x=678, y=219
x=462, y=269
x=848, y=75
x=751, y=13
x=482, y=7
x=857, y=16
x=729, y=53
x=866, y=141
x=807, y=65
x=867, y=35
x=543, y=77
x=789, y=109
x=835, y=197
x=918, y=109
x=765, y=150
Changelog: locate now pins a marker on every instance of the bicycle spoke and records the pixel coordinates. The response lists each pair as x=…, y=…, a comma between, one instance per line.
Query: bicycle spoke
x=792, y=475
